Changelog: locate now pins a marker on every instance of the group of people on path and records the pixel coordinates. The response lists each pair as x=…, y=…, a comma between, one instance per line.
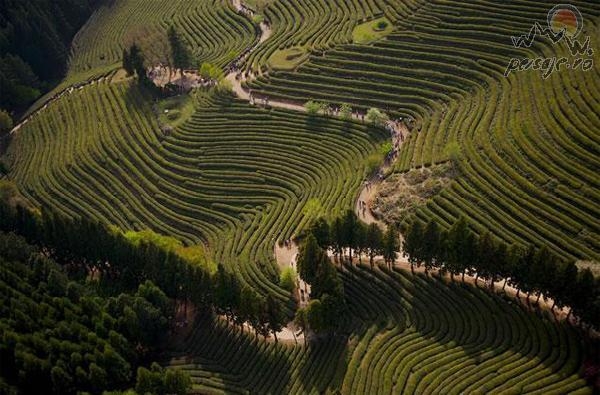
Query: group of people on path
x=362, y=207
x=235, y=66
x=397, y=129
x=258, y=100
x=189, y=78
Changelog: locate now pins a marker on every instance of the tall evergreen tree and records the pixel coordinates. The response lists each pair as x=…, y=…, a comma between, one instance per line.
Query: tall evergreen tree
x=180, y=53
x=413, y=244
x=309, y=258
x=500, y=264
x=566, y=276
x=326, y=280
x=374, y=242
x=337, y=236
x=484, y=257
x=360, y=242
x=582, y=293
x=320, y=229
x=275, y=315
x=460, y=248
x=301, y=321
x=227, y=293
x=391, y=245
x=349, y=226
x=543, y=269
x=431, y=246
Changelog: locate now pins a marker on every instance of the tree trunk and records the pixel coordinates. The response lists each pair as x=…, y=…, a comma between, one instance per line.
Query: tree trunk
x=412, y=268
x=537, y=301
x=504, y=286
x=553, y=304
x=492, y=285
x=452, y=276
x=518, y=292
x=463, y=276
x=477, y=280
x=371, y=261
x=275, y=335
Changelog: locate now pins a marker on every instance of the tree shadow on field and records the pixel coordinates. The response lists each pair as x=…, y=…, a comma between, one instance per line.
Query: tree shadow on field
x=495, y=341
x=139, y=99
x=238, y=361
x=316, y=123
x=324, y=365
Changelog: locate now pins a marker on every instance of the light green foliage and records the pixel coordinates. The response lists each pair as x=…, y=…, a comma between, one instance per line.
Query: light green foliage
x=166, y=242
x=376, y=117
x=211, y=71
x=345, y=111
x=313, y=208
x=386, y=148
x=313, y=107
x=194, y=254
x=371, y=31
x=287, y=279
x=258, y=19
x=288, y=59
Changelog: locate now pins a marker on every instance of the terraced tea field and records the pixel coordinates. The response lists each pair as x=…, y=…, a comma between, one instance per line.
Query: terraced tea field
x=409, y=334
x=529, y=168
x=234, y=177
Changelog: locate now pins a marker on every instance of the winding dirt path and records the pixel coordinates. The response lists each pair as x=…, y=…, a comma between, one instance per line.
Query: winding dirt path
x=362, y=206
x=237, y=78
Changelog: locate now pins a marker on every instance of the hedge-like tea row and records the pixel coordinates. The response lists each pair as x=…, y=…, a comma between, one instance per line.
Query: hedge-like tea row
x=410, y=334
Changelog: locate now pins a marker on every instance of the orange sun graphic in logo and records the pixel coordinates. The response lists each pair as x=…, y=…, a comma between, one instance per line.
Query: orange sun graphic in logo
x=567, y=18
